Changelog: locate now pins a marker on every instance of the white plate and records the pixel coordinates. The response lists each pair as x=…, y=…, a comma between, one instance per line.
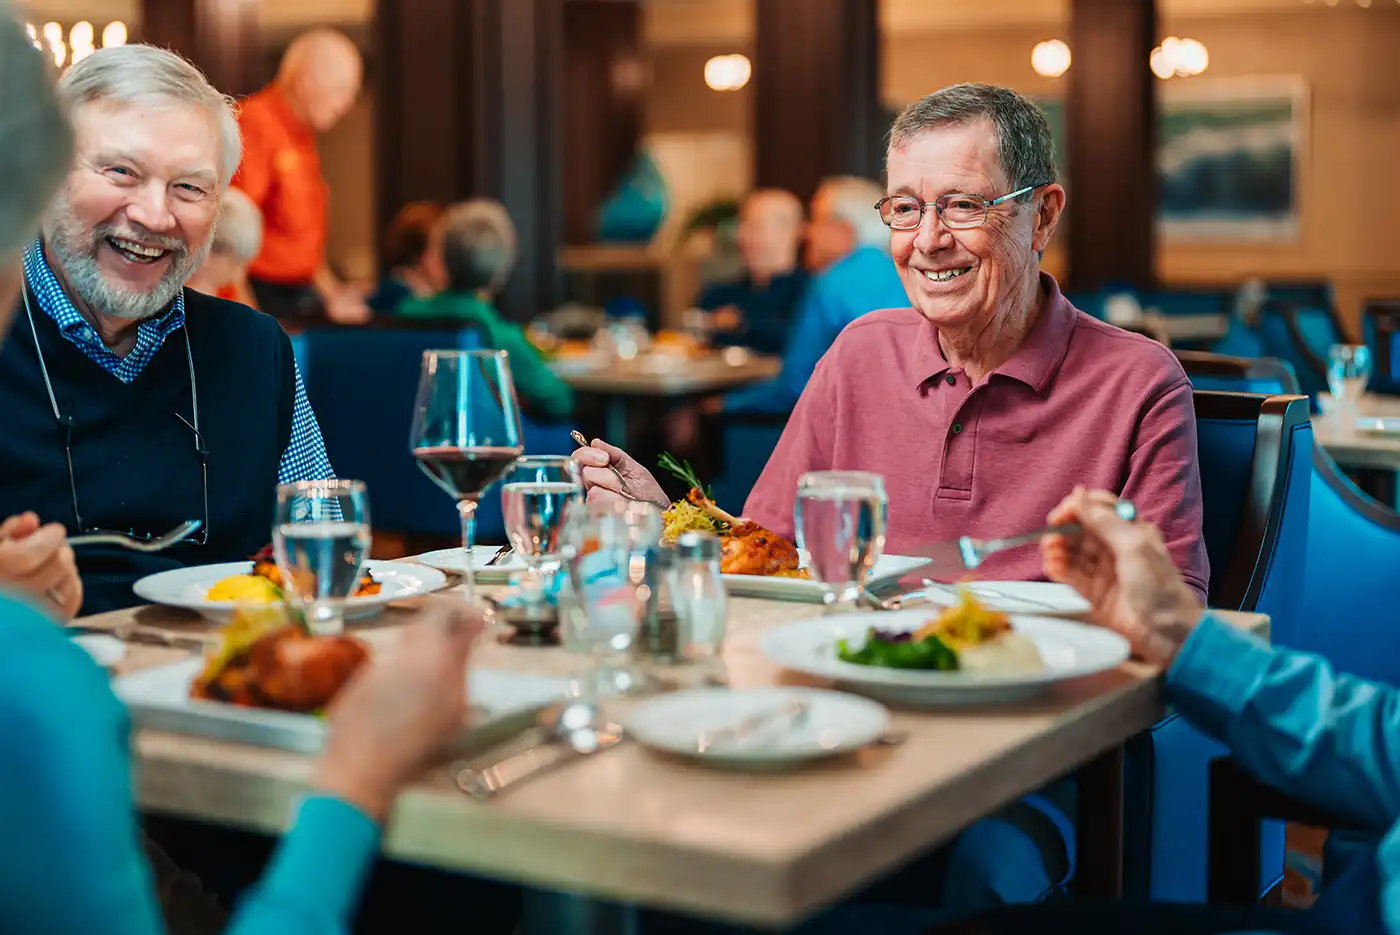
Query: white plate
x=835, y=723
x=454, y=561
x=1379, y=426
x=187, y=587
x=159, y=699
x=106, y=651
x=805, y=589
x=1069, y=649
x=1040, y=598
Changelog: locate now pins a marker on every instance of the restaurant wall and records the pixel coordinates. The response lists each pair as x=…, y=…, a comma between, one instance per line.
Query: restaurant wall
x=1350, y=208
x=347, y=160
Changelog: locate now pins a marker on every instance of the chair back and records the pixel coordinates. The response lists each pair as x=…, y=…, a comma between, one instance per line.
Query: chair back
x=1221, y=373
x=1380, y=325
x=746, y=440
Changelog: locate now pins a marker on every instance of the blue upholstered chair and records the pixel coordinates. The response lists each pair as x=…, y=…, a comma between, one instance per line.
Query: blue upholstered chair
x=746, y=440
x=1301, y=335
x=1256, y=457
x=1226, y=374
x=1380, y=326
x=362, y=384
x=1240, y=340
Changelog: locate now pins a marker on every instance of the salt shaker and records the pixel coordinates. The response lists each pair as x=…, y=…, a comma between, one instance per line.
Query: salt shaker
x=697, y=593
x=659, y=640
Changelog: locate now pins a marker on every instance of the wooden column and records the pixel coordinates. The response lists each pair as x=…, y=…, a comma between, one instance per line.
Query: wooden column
x=219, y=36
x=467, y=105
x=1111, y=135
x=816, y=81
x=604, y=85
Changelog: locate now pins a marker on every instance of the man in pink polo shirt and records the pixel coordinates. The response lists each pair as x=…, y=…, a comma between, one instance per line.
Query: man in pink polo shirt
x=991, y=398
x=983, y=405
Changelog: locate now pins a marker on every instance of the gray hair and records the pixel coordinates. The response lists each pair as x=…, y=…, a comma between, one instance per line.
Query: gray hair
x=1025, y=146
x=478, y=245
x=240, y=228
x=852, y=199
x=36, y=143
x=132, y=74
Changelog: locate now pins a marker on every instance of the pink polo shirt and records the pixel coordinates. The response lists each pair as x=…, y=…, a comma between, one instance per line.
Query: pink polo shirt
x=1080, y=403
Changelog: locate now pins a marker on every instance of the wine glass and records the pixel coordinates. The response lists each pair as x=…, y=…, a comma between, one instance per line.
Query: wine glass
x=535, y=494
x=1348, y=370
x=605, y=549
x=321, y=539
x=466, y=431
x=840, y=520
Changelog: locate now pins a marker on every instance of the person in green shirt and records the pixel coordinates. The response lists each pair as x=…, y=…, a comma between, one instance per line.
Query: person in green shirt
x=471, y=252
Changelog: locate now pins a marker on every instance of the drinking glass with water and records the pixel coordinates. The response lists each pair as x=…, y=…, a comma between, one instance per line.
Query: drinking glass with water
x=534, y=499
x=1348, y=370
x=840, y=519
x=322, y=538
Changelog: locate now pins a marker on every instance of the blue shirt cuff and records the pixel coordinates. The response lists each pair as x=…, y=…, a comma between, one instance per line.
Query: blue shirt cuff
x=325, y=857
x=1216, y=674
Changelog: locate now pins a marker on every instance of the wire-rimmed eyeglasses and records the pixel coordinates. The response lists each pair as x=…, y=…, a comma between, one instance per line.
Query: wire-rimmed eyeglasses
x=957, y=211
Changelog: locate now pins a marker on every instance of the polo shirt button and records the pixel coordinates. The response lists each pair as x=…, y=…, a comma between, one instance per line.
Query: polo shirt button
x=952, y=380
x=957, y=428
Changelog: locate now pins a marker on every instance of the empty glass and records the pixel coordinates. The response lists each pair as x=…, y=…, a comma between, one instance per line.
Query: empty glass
x=321, y=539
x=840, y=520
x=1348, y=370
x=605, y=549
x=534, y=499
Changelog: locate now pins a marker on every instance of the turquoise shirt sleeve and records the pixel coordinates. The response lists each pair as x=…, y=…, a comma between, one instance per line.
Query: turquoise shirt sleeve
x=71, y=862
x=1289, y=720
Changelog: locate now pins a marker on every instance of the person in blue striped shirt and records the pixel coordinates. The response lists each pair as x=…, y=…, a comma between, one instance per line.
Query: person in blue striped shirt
x=135, y=404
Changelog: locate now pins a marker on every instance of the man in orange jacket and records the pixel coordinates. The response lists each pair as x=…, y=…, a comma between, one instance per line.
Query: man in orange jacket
x=315, y=87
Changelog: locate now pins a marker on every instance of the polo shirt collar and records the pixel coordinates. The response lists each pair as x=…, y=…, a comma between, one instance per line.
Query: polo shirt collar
x=1035, y=362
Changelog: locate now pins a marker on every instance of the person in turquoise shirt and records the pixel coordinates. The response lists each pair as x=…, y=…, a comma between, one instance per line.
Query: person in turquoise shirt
x=71, y=856
x=848, y=252
x=1287, y=718
x=471, y=252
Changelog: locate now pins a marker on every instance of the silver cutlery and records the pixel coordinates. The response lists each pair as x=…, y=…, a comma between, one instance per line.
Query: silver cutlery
x=146, y=636
x=794, y=713
x=582, y=442
x=571, y=732
x=967, y=553
x=164, y=541
x=501, y=553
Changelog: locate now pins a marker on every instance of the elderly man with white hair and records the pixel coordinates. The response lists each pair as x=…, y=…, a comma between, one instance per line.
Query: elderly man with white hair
x=848, y=253
x=237, y=240
x=133, y=404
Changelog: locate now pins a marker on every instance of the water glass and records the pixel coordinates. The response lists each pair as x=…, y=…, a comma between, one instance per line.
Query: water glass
x=840, y=520
x=1348, y=370
x=321, y=539
x=697, y=594
x=605, y=549
x=534, y=499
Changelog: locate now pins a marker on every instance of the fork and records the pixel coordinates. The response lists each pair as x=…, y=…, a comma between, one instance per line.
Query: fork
x=158, y=544
x=967, y=553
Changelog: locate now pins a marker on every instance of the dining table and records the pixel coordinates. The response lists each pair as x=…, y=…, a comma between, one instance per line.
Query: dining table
x=1344, y=432
x=606, y=835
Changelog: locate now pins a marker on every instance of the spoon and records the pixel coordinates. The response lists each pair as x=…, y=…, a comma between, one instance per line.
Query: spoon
x=158, y=544
x=582, y=442
x=574, y=731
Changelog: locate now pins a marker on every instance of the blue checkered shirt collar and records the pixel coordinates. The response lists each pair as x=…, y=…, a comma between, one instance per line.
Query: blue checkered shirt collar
x=54, y=302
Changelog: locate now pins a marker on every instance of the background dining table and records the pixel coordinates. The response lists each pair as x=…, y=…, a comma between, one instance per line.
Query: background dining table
x=631, y=828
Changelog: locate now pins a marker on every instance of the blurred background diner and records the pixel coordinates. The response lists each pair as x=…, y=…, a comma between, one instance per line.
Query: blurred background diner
x=664, y=211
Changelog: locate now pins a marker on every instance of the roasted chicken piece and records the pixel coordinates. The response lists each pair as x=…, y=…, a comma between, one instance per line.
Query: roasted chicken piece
x=748, y=548
x=287, y=669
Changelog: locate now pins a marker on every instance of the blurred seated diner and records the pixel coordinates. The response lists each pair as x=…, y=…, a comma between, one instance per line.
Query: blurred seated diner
x=405, y=250
x=237, y=239
x=758, y=309
x=471, y=253
x=848, y=255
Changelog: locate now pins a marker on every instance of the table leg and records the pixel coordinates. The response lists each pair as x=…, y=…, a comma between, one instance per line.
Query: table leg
x=545, y=912
x=1100, y=873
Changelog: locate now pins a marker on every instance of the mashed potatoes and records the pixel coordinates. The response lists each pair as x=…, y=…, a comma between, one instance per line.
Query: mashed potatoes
x=245, y=589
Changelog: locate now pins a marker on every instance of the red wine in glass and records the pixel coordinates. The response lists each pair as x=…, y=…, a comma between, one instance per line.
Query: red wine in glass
x=466, y=473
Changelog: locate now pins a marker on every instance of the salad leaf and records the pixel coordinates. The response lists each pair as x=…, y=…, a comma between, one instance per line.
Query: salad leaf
x=899, y=651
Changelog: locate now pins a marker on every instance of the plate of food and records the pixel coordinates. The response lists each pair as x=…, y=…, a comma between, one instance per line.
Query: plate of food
x=754, y=561
x=1379, y=426
x=965, y=654
x=218, y=590
x=269, y=681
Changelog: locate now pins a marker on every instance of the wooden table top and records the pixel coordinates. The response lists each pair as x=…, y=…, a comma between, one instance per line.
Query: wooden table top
x=642, y=828
x=1353, y=448
x=1181, y=328
x=663, y=375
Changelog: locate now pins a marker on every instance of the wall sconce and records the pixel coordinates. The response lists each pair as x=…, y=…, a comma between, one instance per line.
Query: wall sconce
x=1050, y=59
x=1179, y=58
x=728, y=72
x=79, y=45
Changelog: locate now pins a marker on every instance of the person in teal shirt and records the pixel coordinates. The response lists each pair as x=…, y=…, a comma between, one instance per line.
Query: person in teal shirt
x=471, y=252
x=71, y=856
